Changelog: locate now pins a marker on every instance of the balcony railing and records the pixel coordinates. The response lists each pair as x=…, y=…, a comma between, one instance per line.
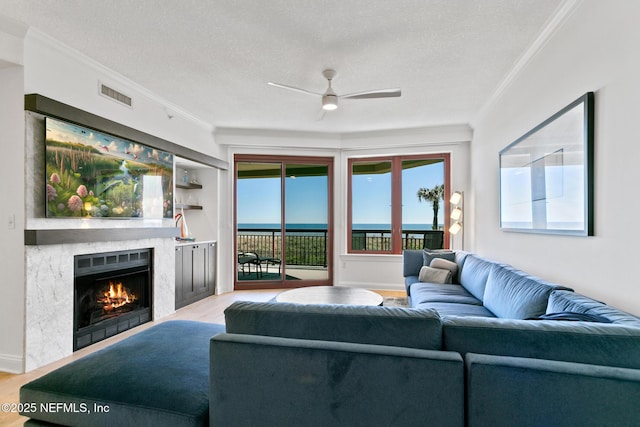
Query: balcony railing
x=308, y=247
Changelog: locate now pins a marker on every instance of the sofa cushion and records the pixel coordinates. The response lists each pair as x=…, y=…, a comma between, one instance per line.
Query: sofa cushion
x=445, y=265
x=392, y=326
x=159, y=377
x=430, y=292
x=474, y=273
x=513, y=294
x=455, y=309
x=582, y=342
x=434, y=275
x=570, y=301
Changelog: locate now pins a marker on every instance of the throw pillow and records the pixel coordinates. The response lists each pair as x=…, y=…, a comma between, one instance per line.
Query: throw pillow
x=445, y=265
x=434, y=275
x=429, y=255
x=573, y=316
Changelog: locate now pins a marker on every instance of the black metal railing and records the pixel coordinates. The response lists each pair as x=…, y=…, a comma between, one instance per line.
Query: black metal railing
x=309, y=246
x=303, y=246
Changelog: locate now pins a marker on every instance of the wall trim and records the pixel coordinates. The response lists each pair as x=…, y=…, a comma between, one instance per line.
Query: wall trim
x=11, y=364
x=114, y=76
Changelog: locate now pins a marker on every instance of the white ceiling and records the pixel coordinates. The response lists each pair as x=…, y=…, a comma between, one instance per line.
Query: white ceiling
x=213, y=58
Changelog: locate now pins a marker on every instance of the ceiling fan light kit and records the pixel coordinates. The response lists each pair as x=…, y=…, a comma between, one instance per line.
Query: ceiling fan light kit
x=329, y=102
x=330, y=98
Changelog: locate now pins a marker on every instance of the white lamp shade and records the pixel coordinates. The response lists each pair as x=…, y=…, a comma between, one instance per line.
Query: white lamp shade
x=329, y=102
x=455, y=228
x=456, y=197
x=456, y=214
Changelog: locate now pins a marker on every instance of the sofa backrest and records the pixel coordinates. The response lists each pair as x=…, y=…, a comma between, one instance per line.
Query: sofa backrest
x=391, y=326
x=583, y=342
x=513, y=294
x=474, y=273
x=565, y=301
x=514, y=391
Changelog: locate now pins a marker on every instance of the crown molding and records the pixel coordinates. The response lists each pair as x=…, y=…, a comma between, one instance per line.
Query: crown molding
x=120, y=81
x=558, y=19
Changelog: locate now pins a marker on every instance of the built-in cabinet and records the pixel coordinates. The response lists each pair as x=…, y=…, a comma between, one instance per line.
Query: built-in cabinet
x=195, y=272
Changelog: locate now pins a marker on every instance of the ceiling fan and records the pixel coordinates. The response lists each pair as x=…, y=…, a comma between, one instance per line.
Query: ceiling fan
x=330, y=98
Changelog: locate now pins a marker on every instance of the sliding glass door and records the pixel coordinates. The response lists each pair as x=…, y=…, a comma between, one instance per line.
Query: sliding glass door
x=283, y=221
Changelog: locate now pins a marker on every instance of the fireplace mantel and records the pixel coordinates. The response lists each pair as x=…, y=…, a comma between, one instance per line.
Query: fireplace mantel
x=88, y=235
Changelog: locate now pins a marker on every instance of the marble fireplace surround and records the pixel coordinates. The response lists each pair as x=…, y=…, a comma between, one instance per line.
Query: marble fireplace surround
x=49, y=285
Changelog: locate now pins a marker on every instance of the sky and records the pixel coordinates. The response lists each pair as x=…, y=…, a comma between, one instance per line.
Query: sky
x=259, y=199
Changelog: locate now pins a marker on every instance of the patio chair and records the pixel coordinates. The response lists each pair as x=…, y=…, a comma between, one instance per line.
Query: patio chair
x=266, y=260
x=433, y=239
x=246, y=259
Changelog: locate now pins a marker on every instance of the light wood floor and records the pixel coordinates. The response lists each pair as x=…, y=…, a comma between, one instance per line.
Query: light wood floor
x=207, y=310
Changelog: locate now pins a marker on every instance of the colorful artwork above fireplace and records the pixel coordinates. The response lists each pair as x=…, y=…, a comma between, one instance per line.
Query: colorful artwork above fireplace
x=94, y=174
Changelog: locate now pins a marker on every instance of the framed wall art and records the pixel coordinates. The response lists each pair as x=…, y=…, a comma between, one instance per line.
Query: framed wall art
x=546, y=176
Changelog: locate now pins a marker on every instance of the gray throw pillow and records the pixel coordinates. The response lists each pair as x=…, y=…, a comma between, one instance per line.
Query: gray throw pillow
x=430, y=255
x=434, y=275
x=445, y=265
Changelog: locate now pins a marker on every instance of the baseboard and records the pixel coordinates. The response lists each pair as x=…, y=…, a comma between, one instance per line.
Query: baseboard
x=374, y=286
x=11, y=364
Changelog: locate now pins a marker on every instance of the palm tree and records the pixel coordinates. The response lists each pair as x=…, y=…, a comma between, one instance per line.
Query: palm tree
x=432, y=195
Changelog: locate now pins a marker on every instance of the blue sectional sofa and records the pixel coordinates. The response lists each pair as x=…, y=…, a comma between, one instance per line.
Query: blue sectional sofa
x=464, y=354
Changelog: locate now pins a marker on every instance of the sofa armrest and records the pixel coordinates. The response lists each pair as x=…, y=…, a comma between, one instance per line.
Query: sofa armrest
x=510, y=391
x=411, y=262
x=259, y=380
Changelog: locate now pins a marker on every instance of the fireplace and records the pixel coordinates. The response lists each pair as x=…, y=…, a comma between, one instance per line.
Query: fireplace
x=112, y=293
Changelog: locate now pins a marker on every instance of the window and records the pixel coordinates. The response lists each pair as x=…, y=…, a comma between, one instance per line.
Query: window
x=283, y=221
x=397, y=203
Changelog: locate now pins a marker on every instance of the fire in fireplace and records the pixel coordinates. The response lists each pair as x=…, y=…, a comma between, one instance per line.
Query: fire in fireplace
x=112, y=294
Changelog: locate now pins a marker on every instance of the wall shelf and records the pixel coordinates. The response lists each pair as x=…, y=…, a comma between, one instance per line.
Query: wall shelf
x=189, y=186
x=187, y=206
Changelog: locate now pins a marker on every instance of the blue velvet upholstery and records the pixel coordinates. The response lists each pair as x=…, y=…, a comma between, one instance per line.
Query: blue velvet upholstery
x=509, y=391
x=393, y=326
x=434, y=292
x=570, y=301
x=474, y=274
x=270, y=381
x=456, y=309
x=513, y=294
x=158, y=377
x=583, y=342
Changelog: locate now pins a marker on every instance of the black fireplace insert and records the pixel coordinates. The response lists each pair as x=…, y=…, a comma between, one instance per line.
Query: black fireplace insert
x=112, y=293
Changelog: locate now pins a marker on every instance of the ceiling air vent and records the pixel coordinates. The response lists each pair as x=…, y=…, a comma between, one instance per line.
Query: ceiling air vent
x=115, y=95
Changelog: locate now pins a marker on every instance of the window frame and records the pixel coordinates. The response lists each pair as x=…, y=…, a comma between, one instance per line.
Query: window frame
x=396, y=198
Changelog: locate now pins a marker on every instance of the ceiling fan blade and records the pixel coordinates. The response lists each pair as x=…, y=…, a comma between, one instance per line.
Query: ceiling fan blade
x=321, y=115
x=381, y=93
x=297, y=89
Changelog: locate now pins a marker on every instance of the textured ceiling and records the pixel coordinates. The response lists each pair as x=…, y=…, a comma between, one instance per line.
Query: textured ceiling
x=213, y=58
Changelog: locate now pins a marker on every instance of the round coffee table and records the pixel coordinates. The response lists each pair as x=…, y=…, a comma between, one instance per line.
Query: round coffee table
x=330, y=295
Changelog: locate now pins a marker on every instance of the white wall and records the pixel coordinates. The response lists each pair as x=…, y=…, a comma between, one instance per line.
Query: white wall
x=595, y=49
x=12, y=211
x=370, y=271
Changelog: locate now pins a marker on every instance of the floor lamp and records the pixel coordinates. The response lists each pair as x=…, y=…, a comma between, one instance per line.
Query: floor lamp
x=457, y=201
